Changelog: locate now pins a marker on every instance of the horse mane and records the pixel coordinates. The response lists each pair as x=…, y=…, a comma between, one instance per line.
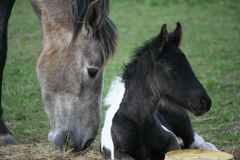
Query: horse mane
x=106, y=32
x=107, y=35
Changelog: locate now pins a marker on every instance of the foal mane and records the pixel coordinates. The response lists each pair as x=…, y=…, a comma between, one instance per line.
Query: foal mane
x=144, y=54
x=105, y=32
x=148, y=47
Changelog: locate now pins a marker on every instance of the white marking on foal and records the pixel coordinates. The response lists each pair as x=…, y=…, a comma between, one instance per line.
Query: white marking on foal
x=113, y=100
x=200, y=143
x=166, y=129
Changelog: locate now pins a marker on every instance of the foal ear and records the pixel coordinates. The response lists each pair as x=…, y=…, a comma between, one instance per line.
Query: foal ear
x=176, y=36
x=92, y=18
x=163, y=37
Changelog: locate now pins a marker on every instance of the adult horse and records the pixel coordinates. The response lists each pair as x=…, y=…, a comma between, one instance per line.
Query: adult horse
x=78, y=40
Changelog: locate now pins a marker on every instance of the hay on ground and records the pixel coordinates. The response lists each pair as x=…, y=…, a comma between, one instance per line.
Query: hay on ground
x=45, y=151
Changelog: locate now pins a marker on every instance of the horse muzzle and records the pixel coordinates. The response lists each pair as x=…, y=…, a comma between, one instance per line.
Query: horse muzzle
x=74, y=140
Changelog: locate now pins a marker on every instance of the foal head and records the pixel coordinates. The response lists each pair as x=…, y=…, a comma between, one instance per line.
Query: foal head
x=165, y=69
x=70, y=72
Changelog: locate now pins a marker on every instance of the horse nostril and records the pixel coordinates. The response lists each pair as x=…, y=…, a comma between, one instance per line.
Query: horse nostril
x=206, y=103
x=58, y=138
x=80, y=147
x=88, y=143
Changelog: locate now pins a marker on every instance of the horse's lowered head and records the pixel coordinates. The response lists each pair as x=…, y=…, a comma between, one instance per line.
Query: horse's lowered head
x=172, y=77
x=70, y=72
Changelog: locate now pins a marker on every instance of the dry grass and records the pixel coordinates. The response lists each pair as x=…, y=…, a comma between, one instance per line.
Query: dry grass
x=45, y=151
x=234, y=151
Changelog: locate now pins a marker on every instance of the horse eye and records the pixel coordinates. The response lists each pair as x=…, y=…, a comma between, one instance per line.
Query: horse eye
x=92, y=72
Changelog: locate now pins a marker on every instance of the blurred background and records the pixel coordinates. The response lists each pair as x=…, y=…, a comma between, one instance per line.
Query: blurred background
x=211, y=43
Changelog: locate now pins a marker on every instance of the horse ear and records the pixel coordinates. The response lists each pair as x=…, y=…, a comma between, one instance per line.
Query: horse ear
x=163, y=37
x=92, y=18
x=176, y=36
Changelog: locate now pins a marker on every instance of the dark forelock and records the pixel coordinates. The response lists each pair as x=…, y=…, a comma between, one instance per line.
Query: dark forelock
x=106, y=32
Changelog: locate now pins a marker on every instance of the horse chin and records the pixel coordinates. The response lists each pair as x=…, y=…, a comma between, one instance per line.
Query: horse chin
x=197, y=112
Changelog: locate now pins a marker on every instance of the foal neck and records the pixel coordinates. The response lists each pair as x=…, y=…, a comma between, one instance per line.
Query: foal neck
x=139, y=101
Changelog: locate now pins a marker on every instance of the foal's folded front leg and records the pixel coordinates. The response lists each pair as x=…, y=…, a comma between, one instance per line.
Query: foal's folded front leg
x=200, y=143
x=125, y=138
x=162, y=141
x=122, y=156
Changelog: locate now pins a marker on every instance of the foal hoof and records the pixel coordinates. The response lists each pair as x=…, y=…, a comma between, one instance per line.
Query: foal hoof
x=7, y=139
x=208, y=146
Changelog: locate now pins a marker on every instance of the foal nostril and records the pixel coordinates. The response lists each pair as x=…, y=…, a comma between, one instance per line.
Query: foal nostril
x=206, y=103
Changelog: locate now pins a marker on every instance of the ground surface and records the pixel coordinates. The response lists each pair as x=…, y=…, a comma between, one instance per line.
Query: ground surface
x=211, y=43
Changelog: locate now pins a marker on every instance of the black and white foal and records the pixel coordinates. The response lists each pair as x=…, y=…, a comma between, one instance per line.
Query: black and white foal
x=147, y=104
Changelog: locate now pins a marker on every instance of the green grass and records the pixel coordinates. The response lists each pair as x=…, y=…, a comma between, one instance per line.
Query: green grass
x=211, y=43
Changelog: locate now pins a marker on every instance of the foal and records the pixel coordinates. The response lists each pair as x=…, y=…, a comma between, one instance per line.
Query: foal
x=159, y=76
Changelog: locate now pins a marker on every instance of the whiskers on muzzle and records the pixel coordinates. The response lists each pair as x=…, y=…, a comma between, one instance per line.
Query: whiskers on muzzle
x=68, y=140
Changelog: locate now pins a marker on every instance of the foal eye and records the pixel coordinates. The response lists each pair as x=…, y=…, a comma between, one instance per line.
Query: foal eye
x=174, y=74
x=92, y=72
